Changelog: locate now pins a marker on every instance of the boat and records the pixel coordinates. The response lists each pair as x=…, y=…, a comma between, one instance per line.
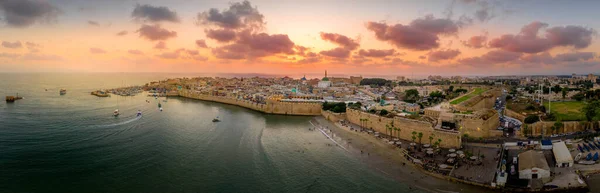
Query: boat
x=216, y=120
x=63, y=92
x=139, y=113
x=578, y=156
x=159, y=105
x=595, y=157
x=100, y=93
x=586, y=147
x=597, y=144
x=116, y=113
x=583, y=162
x=160, y=109
x=580, y=148
x=588, y=157
x=592, y=146
x=10, y=99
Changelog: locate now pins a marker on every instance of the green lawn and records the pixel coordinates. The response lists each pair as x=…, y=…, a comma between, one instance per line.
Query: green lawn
x=477, y=91
x=568, y=110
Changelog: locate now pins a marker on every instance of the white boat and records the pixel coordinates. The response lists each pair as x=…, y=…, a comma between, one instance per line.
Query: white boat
x=139, y=113
x=116, y=113
x=160, y=109
x=578, y=157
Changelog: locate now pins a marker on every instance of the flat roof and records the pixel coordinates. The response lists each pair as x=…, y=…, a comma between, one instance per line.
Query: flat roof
x=561, y=152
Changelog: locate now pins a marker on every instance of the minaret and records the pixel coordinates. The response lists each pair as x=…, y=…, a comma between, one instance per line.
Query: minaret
x=325, y=73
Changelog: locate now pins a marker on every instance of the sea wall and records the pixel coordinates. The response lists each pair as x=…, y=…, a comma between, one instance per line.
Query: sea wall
x=477, y=126
x=546, y=127
x=271, y=107
x=407, y=126
x=333, y=117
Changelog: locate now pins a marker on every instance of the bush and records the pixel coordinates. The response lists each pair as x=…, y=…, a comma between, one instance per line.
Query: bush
x=335, y=107
x=383, y=112
x=532, y=119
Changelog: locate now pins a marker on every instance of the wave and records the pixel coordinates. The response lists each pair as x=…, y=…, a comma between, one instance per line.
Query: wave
x=120, y=123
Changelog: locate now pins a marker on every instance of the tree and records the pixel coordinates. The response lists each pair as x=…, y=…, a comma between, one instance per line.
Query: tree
x=450, y=89
x=556, y=89
x=532, y=119
x=374, y=81
x=557, y=126
x=383, y=112
x=564, y=92
x=430, y=138
x=439, y=142
x=592, y=110
x=397, y=131
x=420, y=135
x=526, y=130
x=390, y=128
x=579, y=96
x=436, y=94
x=411, y=95
x=414, y=136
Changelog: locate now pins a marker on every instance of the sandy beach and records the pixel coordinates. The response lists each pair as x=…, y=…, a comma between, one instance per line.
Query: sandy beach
x=388, y=160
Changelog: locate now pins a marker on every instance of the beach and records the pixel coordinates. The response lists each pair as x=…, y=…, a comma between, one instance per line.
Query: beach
x=389, y=160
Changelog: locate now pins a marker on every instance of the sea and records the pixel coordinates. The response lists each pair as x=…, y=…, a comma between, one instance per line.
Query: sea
x=72, y=143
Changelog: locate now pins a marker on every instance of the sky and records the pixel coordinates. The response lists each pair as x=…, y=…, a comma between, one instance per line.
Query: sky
x=349, y=37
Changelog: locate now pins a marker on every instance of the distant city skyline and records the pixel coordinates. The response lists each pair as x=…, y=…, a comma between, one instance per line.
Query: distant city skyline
x=369, y=38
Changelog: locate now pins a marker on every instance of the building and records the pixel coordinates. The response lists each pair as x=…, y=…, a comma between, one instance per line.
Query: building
x=562, y=155
x=355, y=79
x=533, y=165
x=324, y=83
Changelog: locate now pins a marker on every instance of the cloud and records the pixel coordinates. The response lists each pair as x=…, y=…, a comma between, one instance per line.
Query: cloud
x=376, y=53
x=475, y=42
x=155, y=32
x=94, y=23
x=201, y=44
x=24, y=13
x=160, y=45
x=420, y=34
x=238, y=15
x=541, y=58
x=527, y=41
x=9, y=55
x=135, y=52
x=575, y=56
x=41, y=57
x=12, y=45
x=491, y=58
x=183, y=53
x=154, y=14
x=249, y=45
x=221, y=35
x=122, y=33
x=97, y=51
x=340, y=40
x=438, y=55
x=309, y=58
x=422, y=57
x=338, y=52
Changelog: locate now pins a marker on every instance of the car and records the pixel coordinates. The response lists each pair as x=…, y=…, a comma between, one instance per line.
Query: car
x=514, y=160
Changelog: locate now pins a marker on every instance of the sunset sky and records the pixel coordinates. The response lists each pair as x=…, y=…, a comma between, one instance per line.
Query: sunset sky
x=461, y=37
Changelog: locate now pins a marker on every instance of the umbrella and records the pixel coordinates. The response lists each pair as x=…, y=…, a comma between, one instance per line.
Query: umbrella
x=396, y=139
x=398, y=143
x=429, y=149
x=473, y=157
x=443, y=166
x=426, y=145
x=429, y=152
x=452, y=150
x=452, y=155
x=459, y=152
x=413, y=144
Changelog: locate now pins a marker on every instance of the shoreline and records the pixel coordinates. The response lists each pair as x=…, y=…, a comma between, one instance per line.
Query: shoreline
x=390, y=161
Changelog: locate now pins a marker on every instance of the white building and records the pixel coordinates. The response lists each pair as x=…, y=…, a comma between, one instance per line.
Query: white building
x=562, y=155
x=324, y=83
x=533, y=165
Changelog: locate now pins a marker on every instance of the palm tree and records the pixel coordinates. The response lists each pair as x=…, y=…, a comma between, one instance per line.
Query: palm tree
x=431, y=138
x=397, y=132
x=420, y=135
x=414, y=136
x=390, y=128
x=439, y=142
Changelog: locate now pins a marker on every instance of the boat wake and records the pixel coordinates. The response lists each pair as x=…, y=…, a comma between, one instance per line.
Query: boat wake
x=329, y=137
x=120, y=123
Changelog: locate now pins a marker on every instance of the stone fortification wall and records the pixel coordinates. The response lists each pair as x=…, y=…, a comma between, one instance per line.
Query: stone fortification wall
x=333, y=117
x=485, y=100
x=513, y=114
x=449, y=139
x=272, y=107
x=546, y=127
x=477, y=126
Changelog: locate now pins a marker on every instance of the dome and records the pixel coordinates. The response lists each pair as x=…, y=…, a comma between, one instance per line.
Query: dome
x=325, y=79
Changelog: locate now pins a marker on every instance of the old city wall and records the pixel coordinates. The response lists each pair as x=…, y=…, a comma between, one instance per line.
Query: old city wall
x=333, y=117
x=485, y=100
x=513, y=114
x=407, y=126
x=546, y=127
x=272, y=107
x=478, y=127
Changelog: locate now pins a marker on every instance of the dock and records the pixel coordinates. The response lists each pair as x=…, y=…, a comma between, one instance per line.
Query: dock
x=10, y=99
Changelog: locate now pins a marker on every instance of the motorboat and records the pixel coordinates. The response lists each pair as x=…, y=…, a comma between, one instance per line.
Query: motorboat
x=139, y=113
x=578, y=156
x=63, y=92
x=159, y=105
x=592, y=146
x=216, y=120
x=597, y=144
x=595, y=157
x=116, y=113
x=160, y=109
x=588, y=157
x=580, y=148
x=586, y=147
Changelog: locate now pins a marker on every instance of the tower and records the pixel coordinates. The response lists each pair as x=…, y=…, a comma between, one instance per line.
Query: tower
x=325, y=73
